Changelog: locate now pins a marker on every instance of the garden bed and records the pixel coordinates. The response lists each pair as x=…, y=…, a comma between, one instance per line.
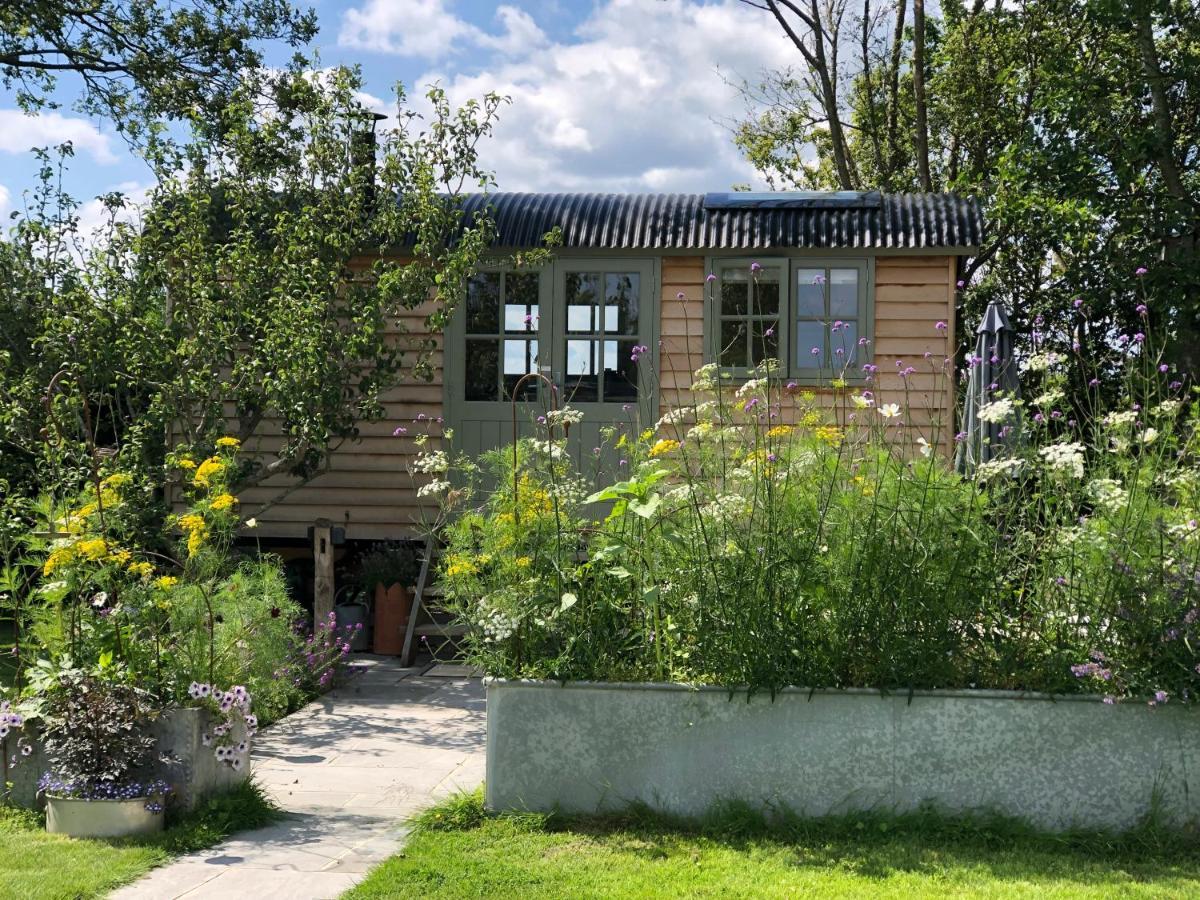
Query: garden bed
x=1055, y=763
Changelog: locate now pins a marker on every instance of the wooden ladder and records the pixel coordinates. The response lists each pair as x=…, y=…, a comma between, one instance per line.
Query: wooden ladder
x=426, y=605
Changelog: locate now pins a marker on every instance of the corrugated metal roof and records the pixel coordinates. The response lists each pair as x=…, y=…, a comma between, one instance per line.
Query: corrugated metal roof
x=682, y=221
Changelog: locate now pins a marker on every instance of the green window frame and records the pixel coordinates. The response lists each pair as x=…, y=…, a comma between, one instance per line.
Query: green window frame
x=823, y=302
x=501, y=331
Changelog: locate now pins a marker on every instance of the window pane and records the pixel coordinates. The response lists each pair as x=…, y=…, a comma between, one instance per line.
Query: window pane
x=520, y=358
x=583, y=371
x=766, y=293
x=810, y=334
x=843, y=292
x=621, y=302
x=620, y=371
x=520, y=317
x=583, y=294
x=733, y=344
x=764, y=341
x=483, y=370
x=521, y=288
x=843, y=343
x=810, y=292
x=735, y=291
x=483, y=303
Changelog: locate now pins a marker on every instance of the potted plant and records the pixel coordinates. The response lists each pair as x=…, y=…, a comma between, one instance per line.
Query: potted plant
x=95, y=734
x=389, y=570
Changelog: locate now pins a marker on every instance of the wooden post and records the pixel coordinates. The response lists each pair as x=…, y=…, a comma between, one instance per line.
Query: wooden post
x=322, y=570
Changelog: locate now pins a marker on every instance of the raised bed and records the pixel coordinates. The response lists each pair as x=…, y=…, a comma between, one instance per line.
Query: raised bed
x=1055, y=762
x=190, y=768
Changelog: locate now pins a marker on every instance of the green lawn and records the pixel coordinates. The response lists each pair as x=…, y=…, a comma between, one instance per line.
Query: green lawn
x=456, y=851
x=35, y=865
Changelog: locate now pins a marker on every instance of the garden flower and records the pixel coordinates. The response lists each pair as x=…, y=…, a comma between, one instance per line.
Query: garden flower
x=926, y=447
x=997, y=411
x=890, y=410
x=993, y=467
x=942, y=326
x=1064, y=458
x=663, y=447
x=433, y=488
x=214, y=465
x=224, y=502
x=228, y=443
x=1149, y=436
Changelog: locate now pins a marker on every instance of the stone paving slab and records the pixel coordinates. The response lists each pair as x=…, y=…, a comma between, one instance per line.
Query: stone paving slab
x=348, y=770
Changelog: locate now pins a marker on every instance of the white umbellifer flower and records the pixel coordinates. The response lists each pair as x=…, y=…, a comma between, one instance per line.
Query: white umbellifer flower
x=997, y=411
x=727, y=506
x=705, y=378
x=1039, y=362
x=1186, y=531
x=1006, y=467
x=435, y=461
x=1050, y=397
x=1120, y=419
x=672, y=417
x=552, y=449
x=564, y=416
x=1108, y=494
x=1064, y=459
x=752, y=388
x=1167, y=408
x=433, y=488
x=1149, y=436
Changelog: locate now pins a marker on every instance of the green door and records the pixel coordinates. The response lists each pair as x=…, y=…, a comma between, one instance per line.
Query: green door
x=582, y=323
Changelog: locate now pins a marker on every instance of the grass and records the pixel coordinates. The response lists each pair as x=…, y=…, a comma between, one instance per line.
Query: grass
x=457, y=850
x=35, y=865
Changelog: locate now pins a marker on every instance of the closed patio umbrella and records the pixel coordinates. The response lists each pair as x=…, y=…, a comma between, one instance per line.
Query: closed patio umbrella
x=993, y=375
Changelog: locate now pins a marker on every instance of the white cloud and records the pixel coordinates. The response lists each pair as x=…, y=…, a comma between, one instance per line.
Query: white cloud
x=429, y=29
x=19, y=132
x=633, y=103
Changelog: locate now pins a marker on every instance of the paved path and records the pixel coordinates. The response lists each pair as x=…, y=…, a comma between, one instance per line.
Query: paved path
x=348, y=769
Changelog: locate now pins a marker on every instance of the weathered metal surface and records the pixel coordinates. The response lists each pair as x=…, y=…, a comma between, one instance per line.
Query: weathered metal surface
x=684, y=222
x=1055, y=763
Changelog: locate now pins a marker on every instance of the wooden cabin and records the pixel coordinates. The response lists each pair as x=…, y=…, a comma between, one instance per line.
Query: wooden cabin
x=672, y=273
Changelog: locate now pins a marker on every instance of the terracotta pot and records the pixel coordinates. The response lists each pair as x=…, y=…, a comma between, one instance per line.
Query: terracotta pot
x=393, y=606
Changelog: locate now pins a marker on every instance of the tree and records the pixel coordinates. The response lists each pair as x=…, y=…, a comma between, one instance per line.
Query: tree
x=1076, y=122
x=140, y=60
x=257, y=285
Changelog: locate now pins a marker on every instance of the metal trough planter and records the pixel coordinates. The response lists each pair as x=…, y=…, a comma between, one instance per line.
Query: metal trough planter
x=1055, y=762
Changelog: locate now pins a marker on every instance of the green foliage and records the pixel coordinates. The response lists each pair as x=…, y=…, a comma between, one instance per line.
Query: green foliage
x=841, y=550
x=142, y=60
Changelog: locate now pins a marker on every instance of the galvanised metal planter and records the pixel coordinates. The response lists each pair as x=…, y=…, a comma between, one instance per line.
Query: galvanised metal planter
x=103, y=818
x=1055, y=762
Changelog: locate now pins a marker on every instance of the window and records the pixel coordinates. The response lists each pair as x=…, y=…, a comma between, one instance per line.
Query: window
x=601, y=336
x=747, y=304
x=501, y=334
x=810, y=314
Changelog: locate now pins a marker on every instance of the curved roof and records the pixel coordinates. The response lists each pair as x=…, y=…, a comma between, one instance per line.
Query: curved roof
x=737, y=221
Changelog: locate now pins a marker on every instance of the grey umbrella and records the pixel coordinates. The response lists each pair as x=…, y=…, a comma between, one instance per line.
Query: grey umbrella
x=993, y=375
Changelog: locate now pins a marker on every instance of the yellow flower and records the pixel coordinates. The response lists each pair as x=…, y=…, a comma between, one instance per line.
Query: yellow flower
x=141, y=569
x=868, y=489
x=228, y=443
x=93, y=549
x=223, y=502
x=838, y=383
x=120, y=557
x=830, y=434
x=214, y=465
x=456, y=566
x=58, y=558
x=166, y=582
x=780, y=431
x=666, y=445
x=811, y=419
x=117, y=480
x=523, y=562
x=191, y=522
x=186, y=463
x=196, y=539
x=647, y=434
x=163, y=603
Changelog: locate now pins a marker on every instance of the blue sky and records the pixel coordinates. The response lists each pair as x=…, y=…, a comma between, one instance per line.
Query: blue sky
x=608, y=95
